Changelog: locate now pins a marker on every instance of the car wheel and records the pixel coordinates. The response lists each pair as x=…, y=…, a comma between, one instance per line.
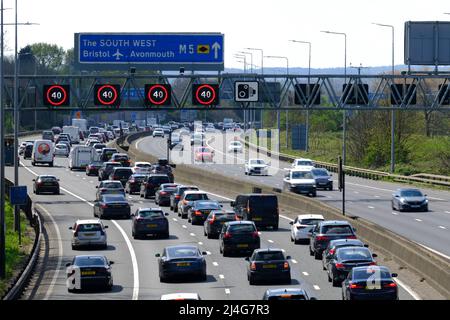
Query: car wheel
x=335, y=283
x=311, y=253
x=275, y=227
x=328, y=276
x=317, y=255
x=189, y=220
x=425, y=209
x=204, y=277
x=74, y=247
x=251, y=280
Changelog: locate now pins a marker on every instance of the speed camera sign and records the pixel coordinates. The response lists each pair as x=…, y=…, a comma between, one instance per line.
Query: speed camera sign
x=246, y=91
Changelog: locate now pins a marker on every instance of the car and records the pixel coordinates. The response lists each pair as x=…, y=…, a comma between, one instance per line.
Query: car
x=106, y=169
x=176, y=141
x=112, y=205
x=215, y=220
x=133, y=184
x=409, y=199
x=302, y=226
x=239, y=236
x=162, y=194
x=181, y=296
x=46, y=183
x=235, y=146
x=106, y=154
x=110, y=135
x=326, y=231
x=198, y=139
x=64, y=138
x=177, y=194
x=109, y=187
x=121, y=174
x=123, y=158
x=200, y=210
x=187, y=200
x=333, y=245
x=93, y=168
x=86, y=233
x=149, y=221
x=56, y=130
x=203, y=154
x=142, y=167
x=166, y=129
x=91, y=142
x=370, y=283
x=48, y=135
x=151, y=183
x=268, y=264
x=95, y=271
x=303, y=163
x=160, y=168
x=260, y=208
x=322, y=178
x=182, y=261
x=22, y=147
x=158, y=132
x=287, y=294
x=99, y=147
x=28, y=150
x=256, y=167
x=300, y=180
x=345, y=259
x=61, y=149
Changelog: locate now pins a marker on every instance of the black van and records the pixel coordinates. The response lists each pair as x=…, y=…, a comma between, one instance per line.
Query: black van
x=262, y=209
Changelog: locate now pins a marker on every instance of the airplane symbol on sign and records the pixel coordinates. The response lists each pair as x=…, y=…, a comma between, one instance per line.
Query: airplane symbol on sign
x=117, y=54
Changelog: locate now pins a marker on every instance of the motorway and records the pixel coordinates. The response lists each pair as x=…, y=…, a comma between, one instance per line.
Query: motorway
x=365, y=198
x=135, y=270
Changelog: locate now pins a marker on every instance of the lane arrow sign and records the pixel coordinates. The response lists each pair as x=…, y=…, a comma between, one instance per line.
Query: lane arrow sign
x=216, y=48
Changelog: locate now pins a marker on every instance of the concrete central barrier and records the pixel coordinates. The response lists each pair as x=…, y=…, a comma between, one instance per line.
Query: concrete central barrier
x=432, y=267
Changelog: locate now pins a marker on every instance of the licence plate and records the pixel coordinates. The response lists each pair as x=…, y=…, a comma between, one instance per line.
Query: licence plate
x=414, y=206
x=243, y=245
x=269, y=266
x=89, y=234
x=88, y=273
x=257, y=219
x=152, y=225
x=183, y=264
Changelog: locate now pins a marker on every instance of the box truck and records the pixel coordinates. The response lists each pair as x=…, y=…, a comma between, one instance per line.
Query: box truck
x=81, y=156
x=73, y=132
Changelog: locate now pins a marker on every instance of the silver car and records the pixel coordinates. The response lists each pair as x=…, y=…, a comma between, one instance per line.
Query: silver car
x=89, y=233
x=408, y=199
x=62, y=149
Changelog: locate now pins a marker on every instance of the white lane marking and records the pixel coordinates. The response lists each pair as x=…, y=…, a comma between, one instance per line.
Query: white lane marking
x=395, y=213
x=174, y=219
x=200, y=243
x=370, y=207
x=91, y=181
x=377, y=196
x=129, y=245
x=129, y=197
x=208, y=253
x=294, y=261
x=442, y=227
x=141, y=202
x=418, y=220
x=227, y=291
x=305, y=273
x=355, y=191
x=215, y=264
x=287, y=218
x=316, y=287
x=434, y=251
x=192, y=234
x=84, y=178
x=78, y=175
x=184, y=226
x=221, y=276
x=271, y=241
x=60, y=254
x=447, y=211
x=408, y=289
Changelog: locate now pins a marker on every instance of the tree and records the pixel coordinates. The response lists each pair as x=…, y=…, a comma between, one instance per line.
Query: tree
x=49, y=57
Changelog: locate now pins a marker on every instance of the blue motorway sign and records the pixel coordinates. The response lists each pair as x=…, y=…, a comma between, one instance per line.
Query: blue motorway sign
x=18, y=195
x=154, y=51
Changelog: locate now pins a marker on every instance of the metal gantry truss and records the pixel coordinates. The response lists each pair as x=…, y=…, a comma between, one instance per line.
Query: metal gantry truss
x=426, y=87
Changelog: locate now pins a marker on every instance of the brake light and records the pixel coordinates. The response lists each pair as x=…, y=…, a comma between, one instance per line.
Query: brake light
x=351, y=237
x=163, y=193
x=390, y=285
x=227, y=235
x=104, y=206
x=322, y=238
x=114, y=177
x=248, y=208
x=76, y=231
x=253, y=266
x=255, y=234
x=339, y=265
x=132, y=181
x=332, y=251
x=177, y=197
x=373, y=263
x=356, y=286
x=198, y=213
x=286, y=265
x=211, y=221
x=103, y=189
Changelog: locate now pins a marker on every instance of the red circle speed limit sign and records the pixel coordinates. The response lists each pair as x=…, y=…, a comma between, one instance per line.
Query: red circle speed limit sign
x=107, y=95
x=56, y=95
x=205, y=94
x=157, y=94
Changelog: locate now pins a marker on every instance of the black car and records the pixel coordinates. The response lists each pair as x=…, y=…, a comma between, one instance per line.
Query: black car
x=151, y=183
x=333, y=245
x=323, y=178
x=200, y=210
x=28, y=151
x=56, y=130
x=177, y=194
x=123, y=158
x=121, y=174
x=215, y=221
x=287, y=294
x=181, y=261
x=149, y=221
x=239, y=236
x=163, y=169
x=111, y=205
x=46, y=183
x=93, y=167
x=268, y=264
x=345, y=259
x=106, y=169
x=260, y=208
x=95, y=271
x=134, y=183
x=326, y=231
x=162, y=194
x=107, y=153
x=370, y=283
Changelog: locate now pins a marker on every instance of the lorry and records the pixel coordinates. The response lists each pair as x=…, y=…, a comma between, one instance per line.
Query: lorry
x=80, y=123
x=73, y=132
x=81, y=156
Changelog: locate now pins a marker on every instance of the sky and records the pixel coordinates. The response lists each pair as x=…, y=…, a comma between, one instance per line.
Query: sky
x=265, y=24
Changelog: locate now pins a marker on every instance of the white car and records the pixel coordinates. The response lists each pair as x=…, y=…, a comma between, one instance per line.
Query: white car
x=158, y=133
x=300, y=180
x=180, y=296
x=142, y=167
x=235, y=146
x=61, y=149
x=89, y=233
x=303, y=163
x=302, y=225
x=256, y=166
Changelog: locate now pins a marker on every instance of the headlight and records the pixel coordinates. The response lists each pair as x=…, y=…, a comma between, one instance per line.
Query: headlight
x=329, y=179
x=425, y=201
x=402, y=200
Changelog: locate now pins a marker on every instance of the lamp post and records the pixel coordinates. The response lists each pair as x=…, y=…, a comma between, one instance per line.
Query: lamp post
x=243, y=57
x=2, y=158
x=308, y=91
x=392, y=111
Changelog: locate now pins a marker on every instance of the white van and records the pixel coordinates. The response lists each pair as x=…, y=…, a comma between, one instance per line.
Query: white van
x=81, y=156
x=43, y=152
x=73, y=132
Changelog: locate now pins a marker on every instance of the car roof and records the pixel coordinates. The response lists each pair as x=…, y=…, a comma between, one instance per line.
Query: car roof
x=310, y=216
x=182, y=246
x=351, y=248
x=180, y=296
x=384, y=268
x=345, y=241
x=194, y=192
x=123, y=168
x=142, y=162
x=150, y=209
x=408, y=189
x=331, y=222
x=111, y=181
x=232, y=223
x=223, y=211
x=279, y=291
x=268, y=250
x=302, y=159
x=46, y=175
x=88, y=221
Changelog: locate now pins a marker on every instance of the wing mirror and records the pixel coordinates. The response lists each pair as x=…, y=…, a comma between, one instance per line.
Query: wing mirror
x=166, y=213
x=394, y=275
x=68, y=264
x=111, y=262
x=374, y=255
x=204, y=253
x=291, y=223
x=106, y=227
x=34, y=179
x=288, y=257
x=232, y=203
x=157, y=255
x=247, y=258
x=70, y=228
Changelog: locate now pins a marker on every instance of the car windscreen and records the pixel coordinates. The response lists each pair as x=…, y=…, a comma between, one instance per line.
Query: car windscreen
x=97, y=164
x=203, y=150
x=301, y=175
x=310, y=222
x=197, y=196
x=320, y=172
x=139, y=178
x=304, y=163
x=411, y=193
x=47, y=179
x=123, y=173
x=269, y=255
x=257, y=162
x=242, y=228
x=143, y=165
x=182, y=252
x=99, y=146
x=353, y=253
x=121, y=158
x=374, y=272
x=148, y=214
x=337, y=229
x=207, y=205
x=225, y=216
x=86, y=227
x=261, y=204
x=89, y=261
x=112, y=185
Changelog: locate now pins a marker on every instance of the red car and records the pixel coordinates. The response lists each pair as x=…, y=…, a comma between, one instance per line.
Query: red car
x=204, y=154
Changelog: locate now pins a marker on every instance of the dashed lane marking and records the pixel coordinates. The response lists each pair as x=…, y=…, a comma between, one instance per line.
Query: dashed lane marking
x=418, y=220
x=305, y=273
x=316, y=287
x=442, y=227
x=215, y=264
x=294, y=261
x=221, y=276
x=227, y=291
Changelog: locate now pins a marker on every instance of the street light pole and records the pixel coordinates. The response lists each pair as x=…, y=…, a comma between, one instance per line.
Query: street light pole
x=392, y=168
x=262, y=73
x=309, y=93
x=2, y=158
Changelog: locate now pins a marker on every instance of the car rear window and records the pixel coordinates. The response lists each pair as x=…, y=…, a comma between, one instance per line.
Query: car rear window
x=85, y=227
x=197, y=196
x=182, y=252
x=225, y=216
x=183, y=189
x=268, y=255
x=337, y=229
x=159, y=180
x=138, y=178
x=207, y=205
x=112, y=185
x=151, y=214
x=113, y=199
x=143, y=165
x=310, y=222
x=47, y=179
x=121, y=158
x=89, y=261
x=242, y=228
x=354, y=253
x=263, y=203
x=111, y=165
x=320, y=172
x=123, y=173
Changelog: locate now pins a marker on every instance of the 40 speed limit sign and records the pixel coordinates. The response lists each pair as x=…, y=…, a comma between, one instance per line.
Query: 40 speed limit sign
x=107, y=95
x=205, y=94
x=158, y=94
x=56, y=95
